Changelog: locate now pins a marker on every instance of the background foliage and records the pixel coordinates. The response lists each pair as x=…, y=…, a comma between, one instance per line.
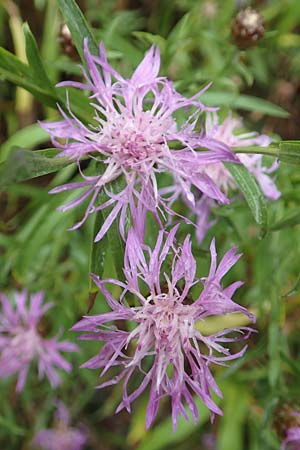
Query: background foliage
x=262, y=83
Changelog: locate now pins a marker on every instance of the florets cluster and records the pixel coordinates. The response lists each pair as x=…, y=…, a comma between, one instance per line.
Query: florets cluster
x=133, y=138
x=22, y=342
x=62, y=436
x=166, y=349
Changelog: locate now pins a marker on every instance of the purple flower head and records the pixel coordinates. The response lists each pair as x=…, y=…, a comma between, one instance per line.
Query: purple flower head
x=135, y=126
x=291, y=434
x=62, y=437
x=226, y=133
x=21, y=341
x=166, y=347
x=292, y=439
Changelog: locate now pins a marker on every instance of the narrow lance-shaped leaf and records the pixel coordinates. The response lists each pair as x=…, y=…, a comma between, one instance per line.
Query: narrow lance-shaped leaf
x=245, y=102
x=111, y=240
x=252, y=192
x=23, y=165
x=16, y=72
x=28, y=137
x=35, y=62
x=99, y=250
x=20, y=74
x=285, y=151
x=98, y=255
x=294, y=290
x=78, y=26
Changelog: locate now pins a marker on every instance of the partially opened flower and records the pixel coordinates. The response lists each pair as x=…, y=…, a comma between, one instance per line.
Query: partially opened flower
x=21, y=340
x=132, y=136
x=62, y=436
x=227, y=133
x=165, y=348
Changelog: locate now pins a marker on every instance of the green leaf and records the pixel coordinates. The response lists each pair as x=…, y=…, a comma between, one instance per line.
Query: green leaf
x=294, y=289
x=245, y=102
x=252, y=192
x=26, y=137
x=290, y=219
x=25, y=164
x=231, y=427
x=149, y=38
x=35, y=62
x=116, y=243
x=162, y=435
x=98, y=254
x=274, y=353
x=16, y=72
x=10, y=63
x=285, y=151
x=78, y=26
x=111, y=240
x=289, y=152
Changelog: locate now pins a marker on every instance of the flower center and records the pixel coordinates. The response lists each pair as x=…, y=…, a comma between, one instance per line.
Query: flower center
x=134, y=139
x=169, y=319
x=26, y=344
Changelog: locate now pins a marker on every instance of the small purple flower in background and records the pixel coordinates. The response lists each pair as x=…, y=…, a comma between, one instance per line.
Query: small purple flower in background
x=62, y=437
x=134, y=126
x=21, y=341
x=165, y=348
x=225, y=133
x=292, y=439
x=290, y=423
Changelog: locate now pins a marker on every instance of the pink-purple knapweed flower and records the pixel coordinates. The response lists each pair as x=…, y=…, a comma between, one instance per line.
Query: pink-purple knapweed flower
x=227, y=132
x=21, y=340
x=292, y=434
x=164, y=347
x=62, y=436
x=292, y=439
x=135, y=138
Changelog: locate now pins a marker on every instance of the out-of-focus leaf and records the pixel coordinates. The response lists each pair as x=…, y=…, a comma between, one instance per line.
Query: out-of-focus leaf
x=162, y=436
x=27, y=137
x=78, y=26
x=274, y=353
x=230, y=433
x=291, y=218
x=11, y=427
x=150, y=38
x=294, y=289
x=25, y=164
x=16, y=72
x=245, y=102
x=252, y=192
x=275, y=338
